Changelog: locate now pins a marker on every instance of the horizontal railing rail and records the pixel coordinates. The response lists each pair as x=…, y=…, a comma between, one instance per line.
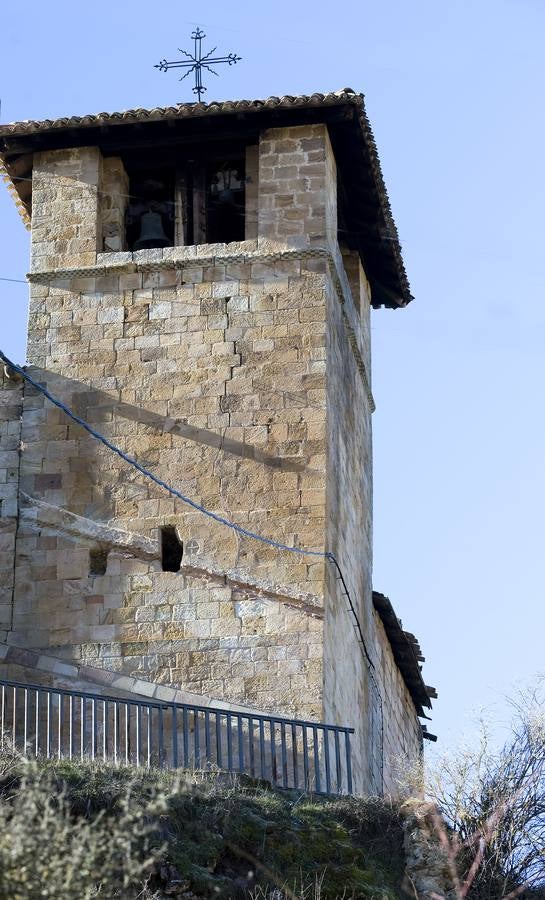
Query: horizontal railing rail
x=290, y=753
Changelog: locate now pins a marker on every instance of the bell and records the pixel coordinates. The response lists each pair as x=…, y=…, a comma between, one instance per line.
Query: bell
x=151, y=232
x=226, y=196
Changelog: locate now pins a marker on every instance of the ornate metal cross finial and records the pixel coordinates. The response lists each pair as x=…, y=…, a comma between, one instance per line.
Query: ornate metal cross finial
x=198, y=62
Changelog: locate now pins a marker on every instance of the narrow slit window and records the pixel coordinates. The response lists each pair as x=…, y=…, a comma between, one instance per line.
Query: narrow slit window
x=172, y=549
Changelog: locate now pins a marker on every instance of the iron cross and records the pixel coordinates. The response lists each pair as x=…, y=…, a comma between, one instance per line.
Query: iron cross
x=198, y=62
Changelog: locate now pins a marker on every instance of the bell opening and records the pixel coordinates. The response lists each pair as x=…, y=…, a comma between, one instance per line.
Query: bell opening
x=226, y=201
x=184, y=196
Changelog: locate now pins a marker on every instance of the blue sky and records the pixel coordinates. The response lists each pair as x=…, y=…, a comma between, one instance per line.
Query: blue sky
x=454, y=93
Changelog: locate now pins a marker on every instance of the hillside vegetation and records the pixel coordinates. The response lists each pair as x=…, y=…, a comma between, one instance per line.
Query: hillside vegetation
x=77, y=830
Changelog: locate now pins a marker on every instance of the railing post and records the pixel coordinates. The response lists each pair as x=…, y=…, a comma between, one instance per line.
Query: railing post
x=284, y=754
x=49, y=717
x=148, y=734
x=106, y=725
x=272, y=728
x=240, y=739
x=70, y=726
x=25, y=729
x=161, y=742
x=104, y=729
x=306, y=772
x=325, y=733
x=218, y=739
x=251, y=745
x=138, y=730
x=115, y=730
x=37, y=722
x=229, y=743
x=207, y=738
x=317, y=779
x=294, y=755
x=61, y=724
x=93, y=728
x=185, y=737
x=262, y=747
x=338, y=767
x=348, y=764
x=82, y=729
x=14, y=720
x=185, y=730
x=197, y=739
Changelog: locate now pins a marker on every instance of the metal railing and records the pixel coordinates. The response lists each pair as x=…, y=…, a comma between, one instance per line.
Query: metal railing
x=290, y=753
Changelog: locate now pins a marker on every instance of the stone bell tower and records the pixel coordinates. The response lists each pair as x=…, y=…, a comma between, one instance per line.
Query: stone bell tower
x=201, y=284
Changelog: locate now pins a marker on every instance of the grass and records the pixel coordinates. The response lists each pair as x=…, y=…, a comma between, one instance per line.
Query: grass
x=202, y=835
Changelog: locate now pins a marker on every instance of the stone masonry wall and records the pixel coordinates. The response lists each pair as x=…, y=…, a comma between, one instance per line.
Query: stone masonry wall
x=239, y=374
x=297, y=187
x=402, y=730
x=348, y=693
x=252, y=191
x=11, y=393
x=201, y=380
x=65, y=208
x=212, y=375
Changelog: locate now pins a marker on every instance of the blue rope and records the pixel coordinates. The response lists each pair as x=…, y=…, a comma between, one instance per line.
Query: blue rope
x=162, y=484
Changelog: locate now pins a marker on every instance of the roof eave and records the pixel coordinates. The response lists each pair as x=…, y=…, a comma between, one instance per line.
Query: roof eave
x=390, y=289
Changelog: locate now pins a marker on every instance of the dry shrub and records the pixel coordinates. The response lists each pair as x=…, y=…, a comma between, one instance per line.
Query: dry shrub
x=48, y=852
x=492, y=809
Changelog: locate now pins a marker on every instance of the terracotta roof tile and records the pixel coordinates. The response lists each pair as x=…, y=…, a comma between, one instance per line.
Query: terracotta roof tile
x=180, y=111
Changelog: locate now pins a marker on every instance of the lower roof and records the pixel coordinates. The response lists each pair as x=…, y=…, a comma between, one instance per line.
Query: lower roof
x=406, y=652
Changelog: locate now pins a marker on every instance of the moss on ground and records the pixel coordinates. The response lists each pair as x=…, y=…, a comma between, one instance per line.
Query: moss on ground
x=232, y=837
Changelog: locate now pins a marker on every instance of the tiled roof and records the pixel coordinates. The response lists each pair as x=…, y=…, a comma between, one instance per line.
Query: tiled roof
x=181, y=111
x=406, y=652
x=386, y=241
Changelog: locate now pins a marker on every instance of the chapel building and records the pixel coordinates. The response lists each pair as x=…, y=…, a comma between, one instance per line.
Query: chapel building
x=201, y=284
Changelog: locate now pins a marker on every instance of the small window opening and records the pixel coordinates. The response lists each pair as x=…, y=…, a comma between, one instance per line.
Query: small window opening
x=98, y=560
x=172, y=549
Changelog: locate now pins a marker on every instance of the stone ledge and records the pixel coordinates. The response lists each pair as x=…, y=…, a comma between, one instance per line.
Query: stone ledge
x=143, y=261
x=38, y=513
